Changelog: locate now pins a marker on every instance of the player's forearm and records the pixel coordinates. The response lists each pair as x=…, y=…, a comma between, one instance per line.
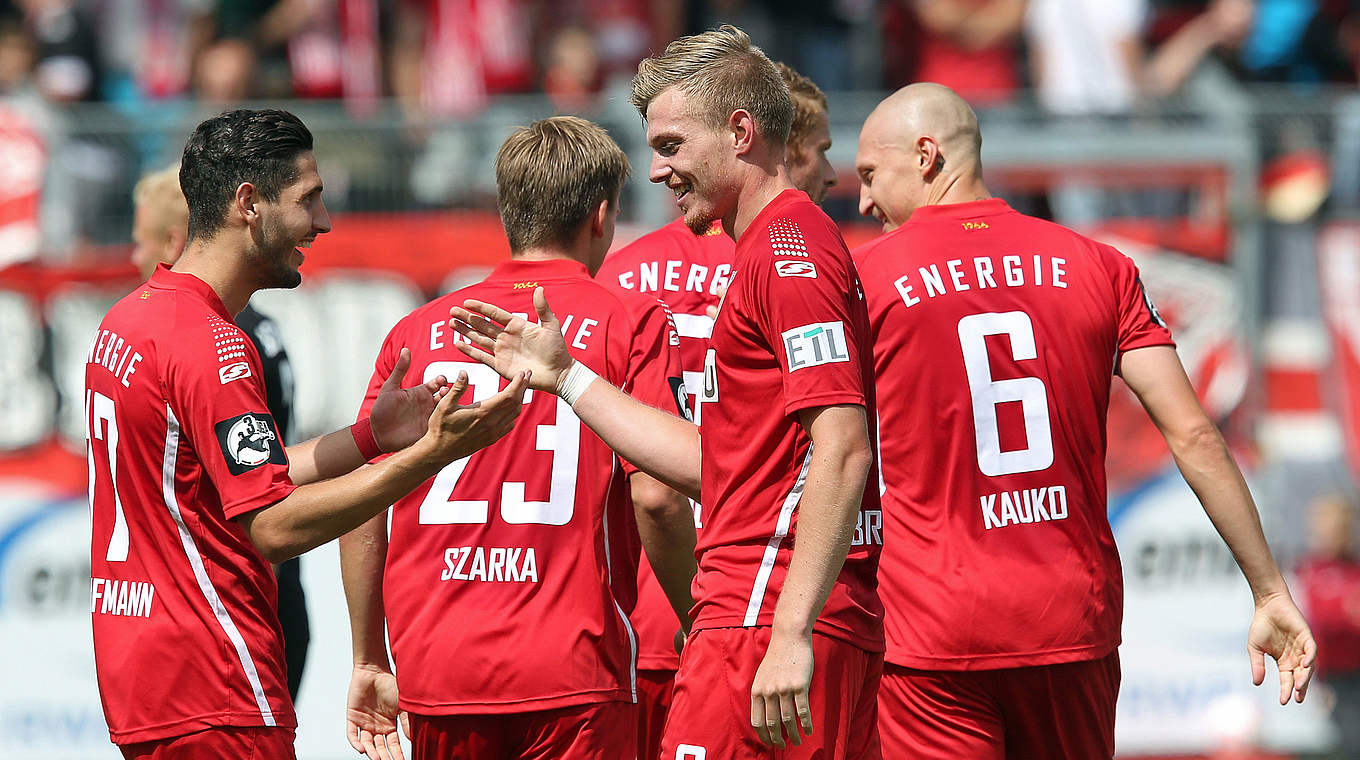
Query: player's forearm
x=660, y=444
x=324, y=457
x=1209, y=469
x=319, y=512
x=363, y=555
x=666, y=527
x=827, y=513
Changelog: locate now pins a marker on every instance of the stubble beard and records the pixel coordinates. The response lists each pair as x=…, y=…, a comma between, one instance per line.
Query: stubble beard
x=273, y=255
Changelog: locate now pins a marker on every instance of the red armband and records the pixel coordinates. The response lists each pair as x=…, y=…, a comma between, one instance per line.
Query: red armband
x=365, y=440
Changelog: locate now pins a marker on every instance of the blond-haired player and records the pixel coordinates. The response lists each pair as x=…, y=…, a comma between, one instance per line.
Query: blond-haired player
x=787, y=648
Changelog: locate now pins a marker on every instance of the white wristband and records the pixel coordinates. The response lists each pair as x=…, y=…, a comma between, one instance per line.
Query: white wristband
x=575, y=382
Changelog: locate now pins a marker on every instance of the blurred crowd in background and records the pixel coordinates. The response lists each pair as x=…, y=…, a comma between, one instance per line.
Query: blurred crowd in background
x=444, y=58
x=107, y=86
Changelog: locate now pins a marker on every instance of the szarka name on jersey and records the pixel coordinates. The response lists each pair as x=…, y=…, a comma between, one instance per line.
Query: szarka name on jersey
x=497, y=564
x=981, y=273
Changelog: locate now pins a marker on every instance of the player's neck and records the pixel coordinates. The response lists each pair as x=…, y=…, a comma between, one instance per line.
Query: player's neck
x=547, y=253
x=757, y=191
x=957, y=188
x=212, y=262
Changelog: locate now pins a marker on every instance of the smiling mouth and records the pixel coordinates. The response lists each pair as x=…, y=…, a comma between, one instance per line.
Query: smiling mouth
x=681, y=191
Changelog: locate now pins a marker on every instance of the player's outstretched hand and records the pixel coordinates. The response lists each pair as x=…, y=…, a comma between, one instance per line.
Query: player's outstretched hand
x=371, y=714
x=457, y=431
x=511, y=344
x=779, y=694
x=400, y=416
x=1279, y=630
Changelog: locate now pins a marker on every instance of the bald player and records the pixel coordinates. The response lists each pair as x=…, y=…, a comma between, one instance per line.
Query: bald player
x=995, y=335
x=689, y=273
x=160, y=228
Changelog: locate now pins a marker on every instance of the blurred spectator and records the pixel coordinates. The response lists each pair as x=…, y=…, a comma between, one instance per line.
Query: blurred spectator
x=1330, y=578
x=149, y=46
x=448, y=56
x=970, y=46
x=67, y=61
x=224, y=72
x=1222, y=25
x=572, y=75
x=1086, y=54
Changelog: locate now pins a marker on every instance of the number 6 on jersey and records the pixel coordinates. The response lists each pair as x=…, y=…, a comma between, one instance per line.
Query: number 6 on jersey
x=987, y=393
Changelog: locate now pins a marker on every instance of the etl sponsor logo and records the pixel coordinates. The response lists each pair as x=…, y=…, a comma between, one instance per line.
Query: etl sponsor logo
x=815, y=344
x=233, y=372
x=795, y=269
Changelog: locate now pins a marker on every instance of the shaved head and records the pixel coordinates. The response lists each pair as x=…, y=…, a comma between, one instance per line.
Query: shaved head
x=931, y=110
x=920, y=146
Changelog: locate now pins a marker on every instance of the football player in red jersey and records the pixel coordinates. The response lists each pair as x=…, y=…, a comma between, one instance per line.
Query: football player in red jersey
x=789, y=547
x=690, y=273
x=995, y=336
x=509, y=574
x=192, y=491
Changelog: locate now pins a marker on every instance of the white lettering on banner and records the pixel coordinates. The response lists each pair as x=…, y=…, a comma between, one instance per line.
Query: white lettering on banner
x=510, y=564
x=815, y=344
x=124, y=598
x=983, y=269
x=1023, y=506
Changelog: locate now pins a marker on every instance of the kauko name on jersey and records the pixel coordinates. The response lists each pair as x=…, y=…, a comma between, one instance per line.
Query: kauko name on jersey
x=981, y=272
x=677, y=277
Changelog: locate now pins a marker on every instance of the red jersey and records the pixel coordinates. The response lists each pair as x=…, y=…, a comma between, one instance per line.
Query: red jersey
x=1331, y=595
x=509, y=574
x=792, y=334
x=180, y=443
x=995, y=336
x=686, y=271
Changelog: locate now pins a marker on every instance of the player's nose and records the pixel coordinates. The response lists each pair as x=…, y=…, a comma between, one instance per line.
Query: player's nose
x=866, y=203
x=321, y=221
x=828, y=173
x=659, y=171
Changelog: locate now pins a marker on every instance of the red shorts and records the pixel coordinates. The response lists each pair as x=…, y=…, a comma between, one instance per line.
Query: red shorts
x=583, y=732
x=710, y=716
x=1035, y=713
x=221, y=743
x=654, y=688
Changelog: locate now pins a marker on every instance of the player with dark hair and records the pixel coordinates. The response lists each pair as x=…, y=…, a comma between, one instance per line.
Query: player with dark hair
x=509, y=575
x=192, y=492
x=786, y=578
x=159, y=232
x=690, y=272
x=995, y=338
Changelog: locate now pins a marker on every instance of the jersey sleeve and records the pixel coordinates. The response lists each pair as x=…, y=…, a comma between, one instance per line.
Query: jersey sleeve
x=382, y=367
x=653, y=375
x=808, y=319
x=1139, y=323
x=215, y=387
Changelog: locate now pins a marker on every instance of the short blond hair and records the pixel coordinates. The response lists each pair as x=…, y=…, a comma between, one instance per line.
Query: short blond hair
x=551, y=175
x=808, y=102
x=723, y=72
x=159, y=194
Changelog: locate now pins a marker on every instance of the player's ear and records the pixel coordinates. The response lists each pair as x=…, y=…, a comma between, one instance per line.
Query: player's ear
x=928, y=158
x=742, y=125
x=244, y=203
x=599, y=219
